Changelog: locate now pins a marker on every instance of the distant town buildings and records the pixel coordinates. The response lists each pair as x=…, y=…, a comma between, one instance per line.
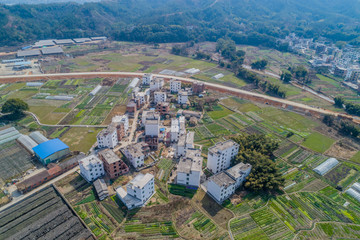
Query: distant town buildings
x=221, y=154
x=138, y=191
x=91, y=168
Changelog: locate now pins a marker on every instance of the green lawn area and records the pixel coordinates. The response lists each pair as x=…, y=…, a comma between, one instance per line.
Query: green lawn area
x=328, y=80
x=356, y=157
x=46, y=114
x=287, y=119
x=240, y=105
x=318, y=142
x=80, y=139
x=219, y=112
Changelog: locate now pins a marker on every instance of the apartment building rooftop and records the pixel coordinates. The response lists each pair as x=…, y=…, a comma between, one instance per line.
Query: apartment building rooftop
x=109, y=130
x=221, y=146
x=222, y=179
x=141, y=180
x=109, y=156
x=191, y=162
x=237, y=170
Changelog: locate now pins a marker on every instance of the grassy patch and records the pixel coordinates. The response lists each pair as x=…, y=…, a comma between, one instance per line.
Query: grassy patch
x=318, y=142
x=80, y=139
x=219, y=112
x=181, y=190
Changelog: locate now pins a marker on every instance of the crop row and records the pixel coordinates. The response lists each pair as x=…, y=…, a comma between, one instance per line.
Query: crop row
x=271, y=225
x=163, y=228
x=246, y=228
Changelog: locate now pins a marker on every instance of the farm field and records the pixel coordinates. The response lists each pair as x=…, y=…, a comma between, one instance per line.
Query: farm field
x=80, y=139
x=318, y=142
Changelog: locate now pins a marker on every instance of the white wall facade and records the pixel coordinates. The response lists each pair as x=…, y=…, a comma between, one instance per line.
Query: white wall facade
x=220, y=193
x=156, y=84
x=159, y=97
x=220, y=159
x=91, y=168
x=142, y=193
x=188, y=179
x=147, y=78
x=107, y=140
x=175, y=86
x=122, y=119
x=136, y=160
x=152, y=128
x=182, y=98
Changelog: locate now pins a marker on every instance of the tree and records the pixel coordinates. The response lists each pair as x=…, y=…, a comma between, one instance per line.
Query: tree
x=349, y=129
x=15, y=107
x=258, y=150
x=301, y=73
x=286, y=77
x=260, y=64
x=339, y=101
x=328, y=120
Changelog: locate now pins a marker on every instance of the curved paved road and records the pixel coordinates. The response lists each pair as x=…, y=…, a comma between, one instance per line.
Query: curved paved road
x=239, y=92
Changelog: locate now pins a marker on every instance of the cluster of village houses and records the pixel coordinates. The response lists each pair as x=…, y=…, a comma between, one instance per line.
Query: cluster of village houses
x=154, y=103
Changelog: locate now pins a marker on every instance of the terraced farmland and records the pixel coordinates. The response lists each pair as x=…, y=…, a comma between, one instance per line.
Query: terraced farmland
x=245, y=228
x=271, y=225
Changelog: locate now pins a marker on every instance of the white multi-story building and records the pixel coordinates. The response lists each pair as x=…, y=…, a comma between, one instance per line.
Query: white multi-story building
x=186, y=142
x=152, y=128
x=147, y=78
x=149, y=115
x=138, y=191
x=156, y=84
x=182, y=124
x=141, y=98
x=182, y=97
x=151, y=121
x=220, y=155
x=91, y=168
x=107, y=138
x=136, y=153
x=123, y=119
x=239, y=173
x=159, y=97
x=190, y=168
x=189, y=143
x=175, y=86
x=175, y=130
x=222, y=185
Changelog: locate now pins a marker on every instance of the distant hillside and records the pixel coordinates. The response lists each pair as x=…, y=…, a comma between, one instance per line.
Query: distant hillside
x=13, y=2
x=256, y=22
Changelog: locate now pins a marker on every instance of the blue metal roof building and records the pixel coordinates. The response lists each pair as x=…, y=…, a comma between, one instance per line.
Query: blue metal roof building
x=51, y=151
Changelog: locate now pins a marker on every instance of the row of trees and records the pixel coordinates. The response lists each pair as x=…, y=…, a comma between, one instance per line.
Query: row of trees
x=258, y=151
x=349, y=107
x=259, y=65
x=271, y=88
x=344, y=127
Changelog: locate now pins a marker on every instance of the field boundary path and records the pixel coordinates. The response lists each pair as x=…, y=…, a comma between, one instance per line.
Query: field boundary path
x=261, y=98
x=66, y=125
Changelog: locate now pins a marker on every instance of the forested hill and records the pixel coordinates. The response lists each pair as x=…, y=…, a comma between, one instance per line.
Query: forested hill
x=256, y=22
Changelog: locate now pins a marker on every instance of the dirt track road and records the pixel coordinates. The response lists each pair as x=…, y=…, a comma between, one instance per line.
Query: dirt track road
x=278, y=102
